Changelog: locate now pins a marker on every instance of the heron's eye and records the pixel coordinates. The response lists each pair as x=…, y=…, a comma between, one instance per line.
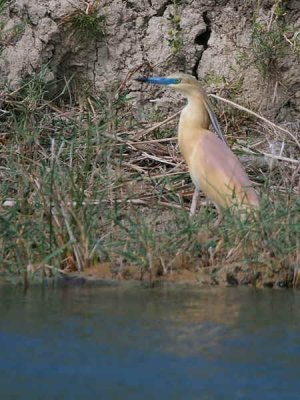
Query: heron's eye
x=177, y=81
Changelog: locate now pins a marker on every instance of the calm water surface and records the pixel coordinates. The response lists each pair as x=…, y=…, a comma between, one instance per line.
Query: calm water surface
x=122, y=343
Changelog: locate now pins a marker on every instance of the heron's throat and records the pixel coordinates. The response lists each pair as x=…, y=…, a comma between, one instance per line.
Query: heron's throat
x=194, y=120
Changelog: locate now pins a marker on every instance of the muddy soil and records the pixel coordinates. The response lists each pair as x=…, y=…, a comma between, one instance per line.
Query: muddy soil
x=235, y=274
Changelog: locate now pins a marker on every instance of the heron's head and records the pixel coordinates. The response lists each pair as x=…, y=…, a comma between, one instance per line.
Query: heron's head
x=183, y=83
x=189, y=87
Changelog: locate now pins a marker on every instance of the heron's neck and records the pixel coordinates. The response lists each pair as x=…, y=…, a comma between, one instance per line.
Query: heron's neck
x=194, y=120
x=194, y=115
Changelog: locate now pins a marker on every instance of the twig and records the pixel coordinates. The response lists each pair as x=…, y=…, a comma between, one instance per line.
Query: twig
x=165, y=175
x=72, y=238
x=232, y=103
x=145, y=203
x=170, y=139
x=164, y=122
x=55, y=269
x=161, y=160
x=291, y=160
x=134, y=167
x=281, y=158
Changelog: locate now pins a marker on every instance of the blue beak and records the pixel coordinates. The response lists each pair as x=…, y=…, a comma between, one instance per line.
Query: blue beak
x=158, y=80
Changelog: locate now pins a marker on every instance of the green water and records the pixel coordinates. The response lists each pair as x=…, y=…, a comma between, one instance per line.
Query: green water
x=125, y=343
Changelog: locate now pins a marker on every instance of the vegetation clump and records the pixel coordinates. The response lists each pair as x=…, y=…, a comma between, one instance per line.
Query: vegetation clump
x=272, y=39
x=84, y=188
x=175, y=38
x=86, y=24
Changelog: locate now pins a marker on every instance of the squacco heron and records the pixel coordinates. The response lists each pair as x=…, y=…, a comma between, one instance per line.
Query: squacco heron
x=212, y=165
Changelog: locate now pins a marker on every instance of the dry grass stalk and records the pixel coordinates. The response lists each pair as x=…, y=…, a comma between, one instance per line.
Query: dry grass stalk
x=242, y=108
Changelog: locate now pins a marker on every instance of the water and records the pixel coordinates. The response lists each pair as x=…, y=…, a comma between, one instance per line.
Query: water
x=121, y=343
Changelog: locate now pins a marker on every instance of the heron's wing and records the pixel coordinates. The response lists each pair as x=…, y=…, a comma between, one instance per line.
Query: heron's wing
x=214, y=119
x=221, y=174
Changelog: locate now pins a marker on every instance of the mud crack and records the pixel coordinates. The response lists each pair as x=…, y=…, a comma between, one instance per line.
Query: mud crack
x=202, y=39
x=160, y=12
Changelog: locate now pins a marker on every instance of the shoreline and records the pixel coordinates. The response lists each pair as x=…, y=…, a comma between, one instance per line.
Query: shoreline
x=230, y=275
